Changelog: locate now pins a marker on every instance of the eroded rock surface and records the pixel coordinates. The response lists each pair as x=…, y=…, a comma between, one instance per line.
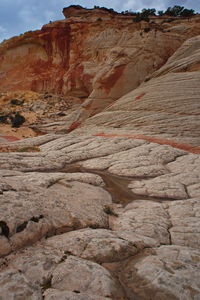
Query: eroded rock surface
x=36, y=207
x=111, y=210
x=64, y=237
x=94, y=54
x=85, y=276
x=165, y=107
x=171, y=272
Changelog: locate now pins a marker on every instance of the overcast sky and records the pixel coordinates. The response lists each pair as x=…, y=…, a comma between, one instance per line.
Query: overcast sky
x=18, y=16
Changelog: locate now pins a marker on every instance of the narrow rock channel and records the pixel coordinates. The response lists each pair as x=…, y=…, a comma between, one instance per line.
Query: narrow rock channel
x=117, y=186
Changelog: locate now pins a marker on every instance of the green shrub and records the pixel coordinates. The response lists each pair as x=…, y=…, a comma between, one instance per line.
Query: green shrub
x=140, y=17
x=17, y=120
x=3, y=119
x=187, y=13
x=16, y=102
x=160, y=13
x=179, y=11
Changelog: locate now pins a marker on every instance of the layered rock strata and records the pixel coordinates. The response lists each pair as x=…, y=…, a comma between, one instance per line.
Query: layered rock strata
x=84, y=56
x=165, y=107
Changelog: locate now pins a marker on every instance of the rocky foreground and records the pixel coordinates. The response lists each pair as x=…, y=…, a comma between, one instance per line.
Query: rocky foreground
x=108, y=206
x=97, y=217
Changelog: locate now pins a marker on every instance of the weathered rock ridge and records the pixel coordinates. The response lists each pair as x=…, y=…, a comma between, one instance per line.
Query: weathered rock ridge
x=167, y=106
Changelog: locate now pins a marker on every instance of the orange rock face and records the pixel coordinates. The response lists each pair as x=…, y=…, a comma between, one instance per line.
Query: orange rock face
x=79, y=11
x=36, y=61
x=89, y=57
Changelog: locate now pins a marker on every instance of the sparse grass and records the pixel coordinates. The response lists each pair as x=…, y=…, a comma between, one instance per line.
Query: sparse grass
x=47, y=284
x=28, y=149
x=109, y=211
x=94, y=226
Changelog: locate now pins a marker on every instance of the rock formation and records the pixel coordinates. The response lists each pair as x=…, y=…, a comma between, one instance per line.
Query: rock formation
x=83, y=56
x=166, y=106
x=109, y=208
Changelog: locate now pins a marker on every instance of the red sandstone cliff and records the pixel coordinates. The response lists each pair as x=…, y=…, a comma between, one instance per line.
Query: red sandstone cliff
x=92, y=53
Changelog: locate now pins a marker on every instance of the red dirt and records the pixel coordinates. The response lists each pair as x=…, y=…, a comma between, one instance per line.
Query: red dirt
x=73, y=126
x=185, y=147
x=140, y=96
x=9, y=138
x=109, y=82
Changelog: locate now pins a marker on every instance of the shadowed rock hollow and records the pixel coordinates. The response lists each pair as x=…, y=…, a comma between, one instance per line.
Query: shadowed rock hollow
x=106, y=204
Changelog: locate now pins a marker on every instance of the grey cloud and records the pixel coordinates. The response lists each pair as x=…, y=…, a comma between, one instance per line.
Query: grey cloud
x=135, y=5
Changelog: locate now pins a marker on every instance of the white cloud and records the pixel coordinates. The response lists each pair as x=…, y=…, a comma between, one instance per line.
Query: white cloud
x=2, y=29
x=3, y=33
x=30, y=18
x=134, y=5
x=49, y=14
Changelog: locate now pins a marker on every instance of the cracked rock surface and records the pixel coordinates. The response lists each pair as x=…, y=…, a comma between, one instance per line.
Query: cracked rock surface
x=64, y=235
x=164, y=274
